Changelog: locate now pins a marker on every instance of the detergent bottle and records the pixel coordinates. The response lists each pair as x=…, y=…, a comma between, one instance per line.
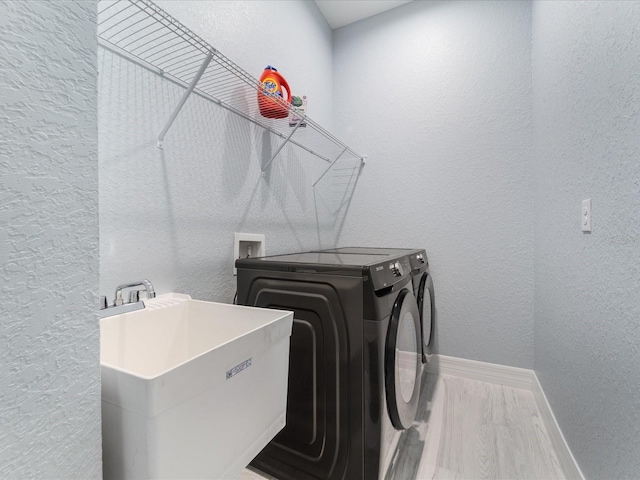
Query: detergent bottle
x=271, y=101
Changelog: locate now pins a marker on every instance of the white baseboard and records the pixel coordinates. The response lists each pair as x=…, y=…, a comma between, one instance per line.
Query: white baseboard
x=565, y=457
x=513, y=377
x=484, y=372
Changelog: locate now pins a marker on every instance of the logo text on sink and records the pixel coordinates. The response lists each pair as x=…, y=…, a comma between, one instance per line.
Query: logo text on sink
x=238, y=368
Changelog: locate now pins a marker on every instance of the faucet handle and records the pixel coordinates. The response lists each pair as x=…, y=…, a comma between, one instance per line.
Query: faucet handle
x=103, y=302
x=118, y=300
x=138, y=295
x=134, y=296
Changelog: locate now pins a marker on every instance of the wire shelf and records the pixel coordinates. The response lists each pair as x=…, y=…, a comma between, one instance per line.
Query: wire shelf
x=145, y=34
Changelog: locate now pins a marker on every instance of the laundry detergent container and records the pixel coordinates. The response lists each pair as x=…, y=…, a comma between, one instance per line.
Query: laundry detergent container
x=191, y=389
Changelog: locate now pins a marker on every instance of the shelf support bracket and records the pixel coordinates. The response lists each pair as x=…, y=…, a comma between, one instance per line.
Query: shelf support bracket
x=194, y=82
x=264, y=169
x=330, y=167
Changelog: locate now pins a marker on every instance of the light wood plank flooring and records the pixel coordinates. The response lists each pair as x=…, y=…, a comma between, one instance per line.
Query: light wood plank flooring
x=471, y=430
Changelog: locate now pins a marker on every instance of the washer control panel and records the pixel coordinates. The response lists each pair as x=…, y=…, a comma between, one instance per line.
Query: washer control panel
x=388, y=273
x=396, y=269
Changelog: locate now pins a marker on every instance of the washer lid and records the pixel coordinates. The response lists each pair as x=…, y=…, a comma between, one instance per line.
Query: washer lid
x=328, y=258
x=403, y=361
x=348, y=264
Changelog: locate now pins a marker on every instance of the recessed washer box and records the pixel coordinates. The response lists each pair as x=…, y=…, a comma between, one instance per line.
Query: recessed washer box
x=248, y=245
x=191, y=389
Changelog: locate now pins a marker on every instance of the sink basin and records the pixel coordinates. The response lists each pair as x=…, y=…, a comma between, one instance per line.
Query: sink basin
x=191, y=389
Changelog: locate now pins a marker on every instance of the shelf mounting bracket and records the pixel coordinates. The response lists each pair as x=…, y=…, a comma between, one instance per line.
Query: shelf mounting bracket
x=264, y=169
x=194, y=82
x=330, y=166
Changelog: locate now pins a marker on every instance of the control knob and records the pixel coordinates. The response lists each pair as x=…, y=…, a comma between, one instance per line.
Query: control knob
x=396, y=269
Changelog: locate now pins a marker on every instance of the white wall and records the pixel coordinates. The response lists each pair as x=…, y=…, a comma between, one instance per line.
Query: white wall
x=438, y=94
x=170, y=216
x=586, y=79
x=49, y=335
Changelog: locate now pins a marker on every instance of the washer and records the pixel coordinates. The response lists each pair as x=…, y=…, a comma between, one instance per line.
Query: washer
x=422, y=288
x=355, y=361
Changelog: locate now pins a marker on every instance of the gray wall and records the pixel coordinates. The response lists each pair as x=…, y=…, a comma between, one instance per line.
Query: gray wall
x=439, y=95
x=49, y=335
x=170, y=215
x=586, y=79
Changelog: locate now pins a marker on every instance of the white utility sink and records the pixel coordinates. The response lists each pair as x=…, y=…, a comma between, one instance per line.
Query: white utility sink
x=191, y=389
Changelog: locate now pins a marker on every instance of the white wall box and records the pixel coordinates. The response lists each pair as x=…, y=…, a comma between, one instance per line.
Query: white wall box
x=247, y=245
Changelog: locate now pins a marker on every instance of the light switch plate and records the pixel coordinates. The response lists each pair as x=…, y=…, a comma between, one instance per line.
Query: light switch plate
x=585, y=215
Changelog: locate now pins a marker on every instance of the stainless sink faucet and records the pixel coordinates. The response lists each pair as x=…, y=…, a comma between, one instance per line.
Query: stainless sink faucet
x=151, y=293
x=119, y=306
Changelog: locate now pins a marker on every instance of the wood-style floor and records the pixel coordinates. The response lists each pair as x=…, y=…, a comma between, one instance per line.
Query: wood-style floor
x=471, y=430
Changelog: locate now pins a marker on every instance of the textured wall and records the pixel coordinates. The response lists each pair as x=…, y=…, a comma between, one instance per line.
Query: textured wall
x=49, y=336
x=170, y=215
x=586, y=78
x=439, y=96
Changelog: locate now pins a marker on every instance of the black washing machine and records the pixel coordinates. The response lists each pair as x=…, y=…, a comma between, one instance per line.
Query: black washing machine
x=422, y=287
x=355, y=361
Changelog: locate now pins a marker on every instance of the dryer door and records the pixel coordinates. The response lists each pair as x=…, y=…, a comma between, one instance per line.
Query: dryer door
x=425, y=304
x=402, y=361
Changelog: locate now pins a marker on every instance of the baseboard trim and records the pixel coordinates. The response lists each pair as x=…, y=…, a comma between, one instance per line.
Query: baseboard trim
x=565, y=457
x=513, y=377
x=485, y=372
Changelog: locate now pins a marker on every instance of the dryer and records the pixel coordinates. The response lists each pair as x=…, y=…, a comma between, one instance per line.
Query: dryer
x=355, y=359
x=423, y=290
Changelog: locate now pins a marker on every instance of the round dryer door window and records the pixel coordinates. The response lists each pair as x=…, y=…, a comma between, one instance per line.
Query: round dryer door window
x=403, y=361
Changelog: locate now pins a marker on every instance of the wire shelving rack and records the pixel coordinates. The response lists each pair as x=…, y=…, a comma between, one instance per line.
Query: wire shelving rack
x=145, y=34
